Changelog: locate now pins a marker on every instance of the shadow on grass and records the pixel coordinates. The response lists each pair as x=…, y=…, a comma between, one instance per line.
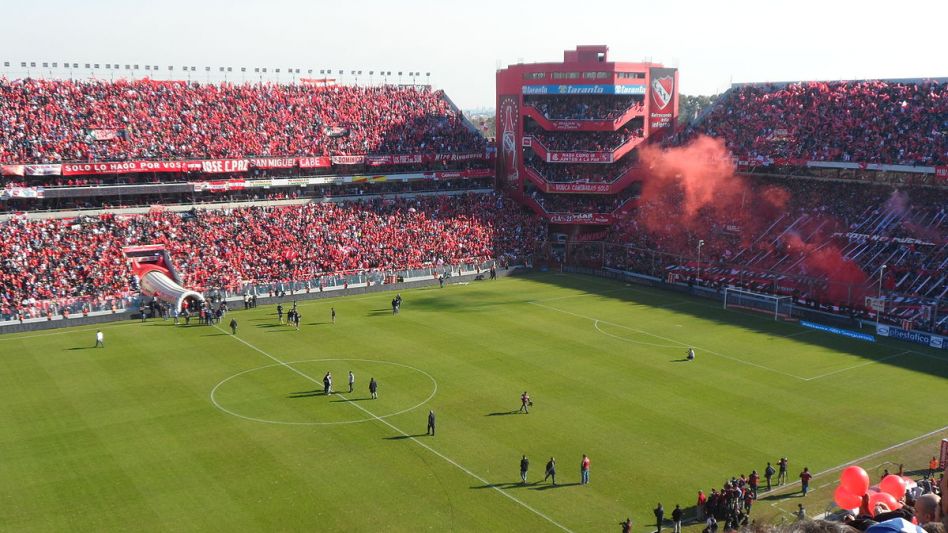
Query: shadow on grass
x=352, y=399
x=316, y=323
x=283, y=330
x=268, y=325
x=548, y=487
x=214, y=334
x=683, y=360
x=305, y=394
x=503, y=413
x=379, y=312
x=403, y=437
x=81, y=348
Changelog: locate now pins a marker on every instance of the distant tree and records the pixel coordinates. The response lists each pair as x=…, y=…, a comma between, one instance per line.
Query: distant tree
x=689, y=107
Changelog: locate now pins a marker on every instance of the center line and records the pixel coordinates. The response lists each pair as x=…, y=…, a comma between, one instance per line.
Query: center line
x=406, y=435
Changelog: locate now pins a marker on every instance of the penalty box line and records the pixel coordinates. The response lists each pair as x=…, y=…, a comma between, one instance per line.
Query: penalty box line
x=913, y=440
x=406, y=435
x=732, y=358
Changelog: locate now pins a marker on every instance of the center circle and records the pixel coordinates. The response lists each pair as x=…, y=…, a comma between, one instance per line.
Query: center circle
x=291, y=393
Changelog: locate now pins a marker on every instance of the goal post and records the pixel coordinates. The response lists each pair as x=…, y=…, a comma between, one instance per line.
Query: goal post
x=775, y=306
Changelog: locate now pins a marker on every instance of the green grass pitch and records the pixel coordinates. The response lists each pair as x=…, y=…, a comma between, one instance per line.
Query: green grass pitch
x=190, y=429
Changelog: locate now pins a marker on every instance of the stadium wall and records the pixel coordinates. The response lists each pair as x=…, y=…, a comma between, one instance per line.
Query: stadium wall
x=42, y=324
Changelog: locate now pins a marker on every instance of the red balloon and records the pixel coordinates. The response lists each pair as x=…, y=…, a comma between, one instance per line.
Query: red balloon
x=845, y=499
x=893, y=485
x=882, y=497
x=855, y=480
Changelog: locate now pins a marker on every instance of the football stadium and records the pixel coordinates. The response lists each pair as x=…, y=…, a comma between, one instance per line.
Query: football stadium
x=339, y=301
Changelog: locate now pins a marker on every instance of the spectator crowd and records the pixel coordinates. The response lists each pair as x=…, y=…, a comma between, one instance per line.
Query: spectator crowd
x=875, y=121
x=587, y=141
x=47, y=260
x=43, y=121
x=584, y=107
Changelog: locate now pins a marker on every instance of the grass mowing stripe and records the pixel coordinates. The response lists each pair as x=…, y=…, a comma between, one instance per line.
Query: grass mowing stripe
x=670, y=340
x=406, y=435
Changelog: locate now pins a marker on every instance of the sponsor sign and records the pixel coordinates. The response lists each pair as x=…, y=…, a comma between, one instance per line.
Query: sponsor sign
x=583, y=89
x=941, y=172
x=508, y=123
x=917, y=337
x=838, y=331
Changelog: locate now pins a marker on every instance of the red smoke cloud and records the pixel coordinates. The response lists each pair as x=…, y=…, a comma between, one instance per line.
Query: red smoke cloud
x=692, y=192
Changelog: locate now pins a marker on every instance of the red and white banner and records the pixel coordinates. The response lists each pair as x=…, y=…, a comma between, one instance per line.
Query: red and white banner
x=579, y=157
x=348, y=159
x=221, y=166
x=21, y=192
x=594, y=188
x=378, y=160
x=104, y=134
x=941, y=172
x=12, y=170
x=323, y=161
x=43, y=170
x=407, y=159
x=458, y=157
x=219, y=186
x=129, y=167
x=273, y=162
x=579, y=218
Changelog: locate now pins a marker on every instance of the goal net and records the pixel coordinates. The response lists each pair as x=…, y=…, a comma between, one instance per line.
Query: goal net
x=775, y=306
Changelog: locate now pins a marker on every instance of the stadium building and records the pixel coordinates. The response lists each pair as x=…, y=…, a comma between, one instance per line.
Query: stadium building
x=568, y=134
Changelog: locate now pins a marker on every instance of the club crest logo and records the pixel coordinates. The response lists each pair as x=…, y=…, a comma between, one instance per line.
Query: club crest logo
x=662, y=90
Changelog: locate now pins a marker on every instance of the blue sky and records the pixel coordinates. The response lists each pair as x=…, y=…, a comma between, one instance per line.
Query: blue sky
x=463, y=43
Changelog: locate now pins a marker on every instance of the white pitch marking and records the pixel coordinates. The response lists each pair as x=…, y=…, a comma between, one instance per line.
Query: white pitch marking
x=860, y=365
x=596, y=325
x=267, y=421
x=409, y=437
x=673, y=340
x=871, y=455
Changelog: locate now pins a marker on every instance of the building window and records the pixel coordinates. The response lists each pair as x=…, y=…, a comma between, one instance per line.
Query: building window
x=602, y=75
x=534, y=75
x=589, y=75
x=631, y=75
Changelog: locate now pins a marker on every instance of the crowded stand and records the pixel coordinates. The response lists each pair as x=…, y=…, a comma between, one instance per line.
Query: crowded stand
x=51, y=121
x=868, y=226
x=51, y=262
x=579, y=172
x=591, y=141
x=875, y=121
x=585, y=107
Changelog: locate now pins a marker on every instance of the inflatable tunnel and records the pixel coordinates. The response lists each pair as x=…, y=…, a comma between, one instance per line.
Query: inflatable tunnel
x=157, y=277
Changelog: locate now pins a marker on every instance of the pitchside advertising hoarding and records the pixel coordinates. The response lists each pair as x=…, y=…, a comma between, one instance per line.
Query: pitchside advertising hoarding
x=917, y=337
x=663, y=99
